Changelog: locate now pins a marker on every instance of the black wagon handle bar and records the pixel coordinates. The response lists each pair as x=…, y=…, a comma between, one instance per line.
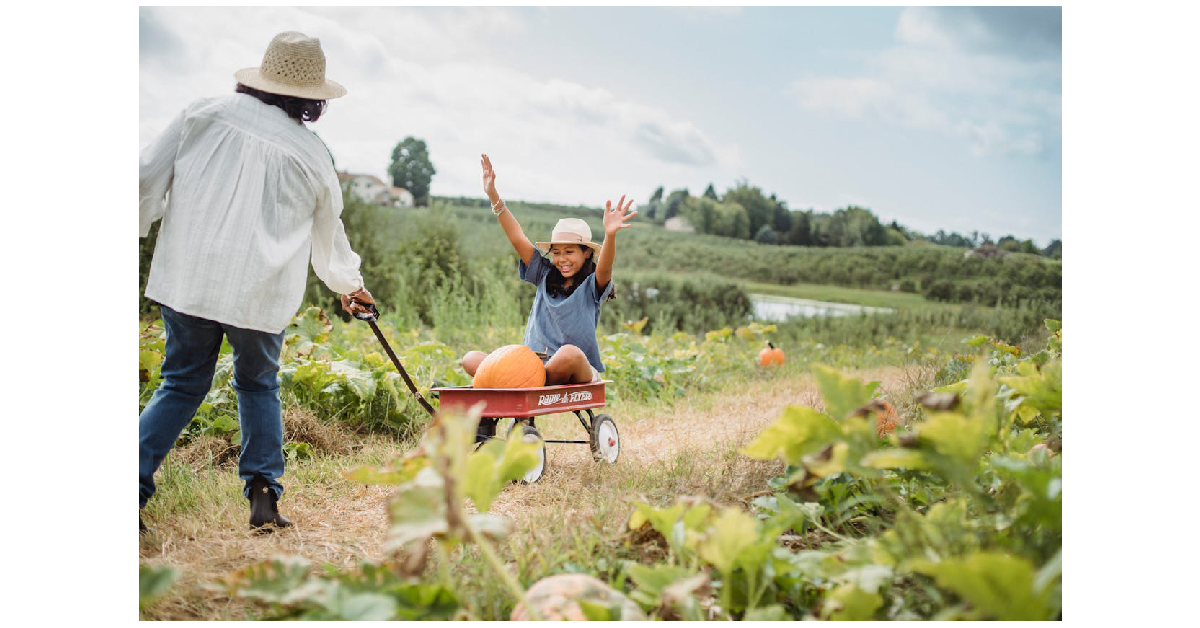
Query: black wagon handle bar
x=371, y=317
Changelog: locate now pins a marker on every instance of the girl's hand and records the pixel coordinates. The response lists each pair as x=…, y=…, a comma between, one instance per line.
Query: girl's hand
x=489, y=179
x=615, y=219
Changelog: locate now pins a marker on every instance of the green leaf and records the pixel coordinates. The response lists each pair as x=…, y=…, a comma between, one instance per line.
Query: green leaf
x=408, y=469
x=281, y=580
x=418, y=511
x=154, y=581
x=954, y=435
x=977, y=341
x=652, y=580
x=1053, y=325
x=800, y=431
x=895, y=458
x=496, y=464
x=997, y=585
x=843, y=394
x=732, y=533
x=307, y=330
x=595, y=611
x=364, y=606
x=774, y=612
x=848, y=602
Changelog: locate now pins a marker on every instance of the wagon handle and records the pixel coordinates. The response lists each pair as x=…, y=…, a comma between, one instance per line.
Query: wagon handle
x=373, y=316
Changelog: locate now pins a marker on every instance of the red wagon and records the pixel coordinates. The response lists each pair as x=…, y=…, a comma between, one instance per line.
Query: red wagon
x=523, y=405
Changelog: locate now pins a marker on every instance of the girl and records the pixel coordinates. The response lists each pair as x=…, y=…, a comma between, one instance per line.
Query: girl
x=571, y=287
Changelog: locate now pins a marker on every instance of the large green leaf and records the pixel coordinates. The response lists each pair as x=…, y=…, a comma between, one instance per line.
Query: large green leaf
x=496, y=464
x=154, y=581
x=418, y=510
x=652, y=580
x=732, y=533
x=843, y=394
x=307, y=330
x=399, y=473
x=848, y=602
x=962, y=438
x=800, y=431
x=1041, y=390
x=997, y=585
x=895, y=458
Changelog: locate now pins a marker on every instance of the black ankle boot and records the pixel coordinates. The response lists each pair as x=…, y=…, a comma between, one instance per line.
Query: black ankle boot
x=262, y=505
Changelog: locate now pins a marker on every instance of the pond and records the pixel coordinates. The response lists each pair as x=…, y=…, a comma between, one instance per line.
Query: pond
x=776, y=309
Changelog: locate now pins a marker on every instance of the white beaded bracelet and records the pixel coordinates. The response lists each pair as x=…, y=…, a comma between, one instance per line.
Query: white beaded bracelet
x=501, y=207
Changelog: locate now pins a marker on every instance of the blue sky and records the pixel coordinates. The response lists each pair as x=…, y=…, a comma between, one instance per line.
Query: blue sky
x=939, y=118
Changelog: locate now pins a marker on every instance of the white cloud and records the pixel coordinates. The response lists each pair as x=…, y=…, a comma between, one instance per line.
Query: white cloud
x=426, y=73
x=950, y=75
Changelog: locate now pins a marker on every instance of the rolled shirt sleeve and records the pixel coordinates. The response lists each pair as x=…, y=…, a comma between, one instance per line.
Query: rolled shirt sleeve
x=334, y=262
x=156, y=169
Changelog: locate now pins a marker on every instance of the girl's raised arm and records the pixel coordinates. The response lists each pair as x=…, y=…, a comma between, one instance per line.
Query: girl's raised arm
x=512, y=228
x=614, y=221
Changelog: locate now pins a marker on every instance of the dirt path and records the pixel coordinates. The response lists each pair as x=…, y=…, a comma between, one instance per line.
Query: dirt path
x=688, y=449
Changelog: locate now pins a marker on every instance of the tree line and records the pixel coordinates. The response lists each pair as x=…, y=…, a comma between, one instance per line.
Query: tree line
x=745, y=212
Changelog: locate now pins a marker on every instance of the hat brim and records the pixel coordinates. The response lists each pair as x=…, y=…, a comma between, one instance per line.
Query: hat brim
x=252, y=77
x=546, y=245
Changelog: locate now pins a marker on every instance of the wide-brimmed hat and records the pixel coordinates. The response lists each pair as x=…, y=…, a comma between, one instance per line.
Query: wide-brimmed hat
x=571, y=231
x=294, y=65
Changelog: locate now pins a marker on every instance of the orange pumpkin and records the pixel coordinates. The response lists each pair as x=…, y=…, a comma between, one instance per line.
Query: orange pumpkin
x=510, y=366
x=770, y=355
x=886, y=419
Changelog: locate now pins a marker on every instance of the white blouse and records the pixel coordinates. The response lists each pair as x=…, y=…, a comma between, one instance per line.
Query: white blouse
x=251, y=191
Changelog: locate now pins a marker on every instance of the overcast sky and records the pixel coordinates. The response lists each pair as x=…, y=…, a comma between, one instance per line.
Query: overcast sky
x=939, y=118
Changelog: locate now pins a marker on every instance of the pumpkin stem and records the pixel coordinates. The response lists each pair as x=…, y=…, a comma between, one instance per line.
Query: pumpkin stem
x=770, y=344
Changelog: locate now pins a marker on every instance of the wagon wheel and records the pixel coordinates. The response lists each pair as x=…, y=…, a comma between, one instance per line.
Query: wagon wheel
x=530, y=434
x=605, y=442
x=485, y=430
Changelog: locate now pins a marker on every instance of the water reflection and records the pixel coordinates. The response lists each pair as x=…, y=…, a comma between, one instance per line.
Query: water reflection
x=776, y=309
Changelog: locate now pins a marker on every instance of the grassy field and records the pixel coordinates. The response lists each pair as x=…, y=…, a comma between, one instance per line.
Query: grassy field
x=574, y=518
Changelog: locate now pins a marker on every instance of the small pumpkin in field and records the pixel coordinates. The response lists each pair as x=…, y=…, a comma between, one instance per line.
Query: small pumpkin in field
x=510, y=366
x=770, y=355
x=886, y=419
x=557, y=598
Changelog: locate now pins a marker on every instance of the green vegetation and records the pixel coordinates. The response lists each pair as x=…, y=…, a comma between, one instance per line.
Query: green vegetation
x=957, y=515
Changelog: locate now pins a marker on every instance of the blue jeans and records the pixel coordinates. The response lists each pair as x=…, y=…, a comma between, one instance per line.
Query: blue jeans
x=192, y=347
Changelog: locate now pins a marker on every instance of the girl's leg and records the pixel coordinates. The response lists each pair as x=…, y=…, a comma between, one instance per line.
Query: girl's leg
x=471, y=360
x=568, y=365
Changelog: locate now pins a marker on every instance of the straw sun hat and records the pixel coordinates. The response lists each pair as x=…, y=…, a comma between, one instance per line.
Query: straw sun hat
x=571, y=231
x=294, y=65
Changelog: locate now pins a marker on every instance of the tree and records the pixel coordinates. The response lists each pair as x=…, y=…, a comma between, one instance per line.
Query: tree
x=411, y=169
x=673, y=203
x=709, y=192
x=652, y=207
x=759, y=209
x=766, y=235
x=801, y=231
x=1053, y=250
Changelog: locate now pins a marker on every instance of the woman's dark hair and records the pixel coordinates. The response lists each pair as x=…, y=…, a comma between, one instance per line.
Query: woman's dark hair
x=298, y=109
x=555, y=279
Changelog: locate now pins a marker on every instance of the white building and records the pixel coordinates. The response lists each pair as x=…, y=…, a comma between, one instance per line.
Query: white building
x=371, y=189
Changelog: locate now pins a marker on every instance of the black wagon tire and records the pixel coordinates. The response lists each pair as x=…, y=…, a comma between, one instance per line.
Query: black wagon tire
x=530, y=434
x=605, y=440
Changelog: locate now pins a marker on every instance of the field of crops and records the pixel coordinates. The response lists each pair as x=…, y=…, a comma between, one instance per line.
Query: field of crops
x=950, y=510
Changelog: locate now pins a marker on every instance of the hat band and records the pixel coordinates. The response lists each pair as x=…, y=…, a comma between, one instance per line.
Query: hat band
x=567, y=236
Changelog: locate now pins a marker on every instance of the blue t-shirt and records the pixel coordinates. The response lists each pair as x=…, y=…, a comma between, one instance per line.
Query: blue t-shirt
x=570, y=320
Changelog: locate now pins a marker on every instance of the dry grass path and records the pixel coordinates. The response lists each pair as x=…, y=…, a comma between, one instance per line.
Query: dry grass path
x=689, y=449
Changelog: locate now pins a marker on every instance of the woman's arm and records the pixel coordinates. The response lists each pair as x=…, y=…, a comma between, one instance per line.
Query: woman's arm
x=508, y=222
x=614, y=221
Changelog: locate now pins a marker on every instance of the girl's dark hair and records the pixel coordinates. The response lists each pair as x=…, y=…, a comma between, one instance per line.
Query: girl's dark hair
x=555, y=279
x=298, y=109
